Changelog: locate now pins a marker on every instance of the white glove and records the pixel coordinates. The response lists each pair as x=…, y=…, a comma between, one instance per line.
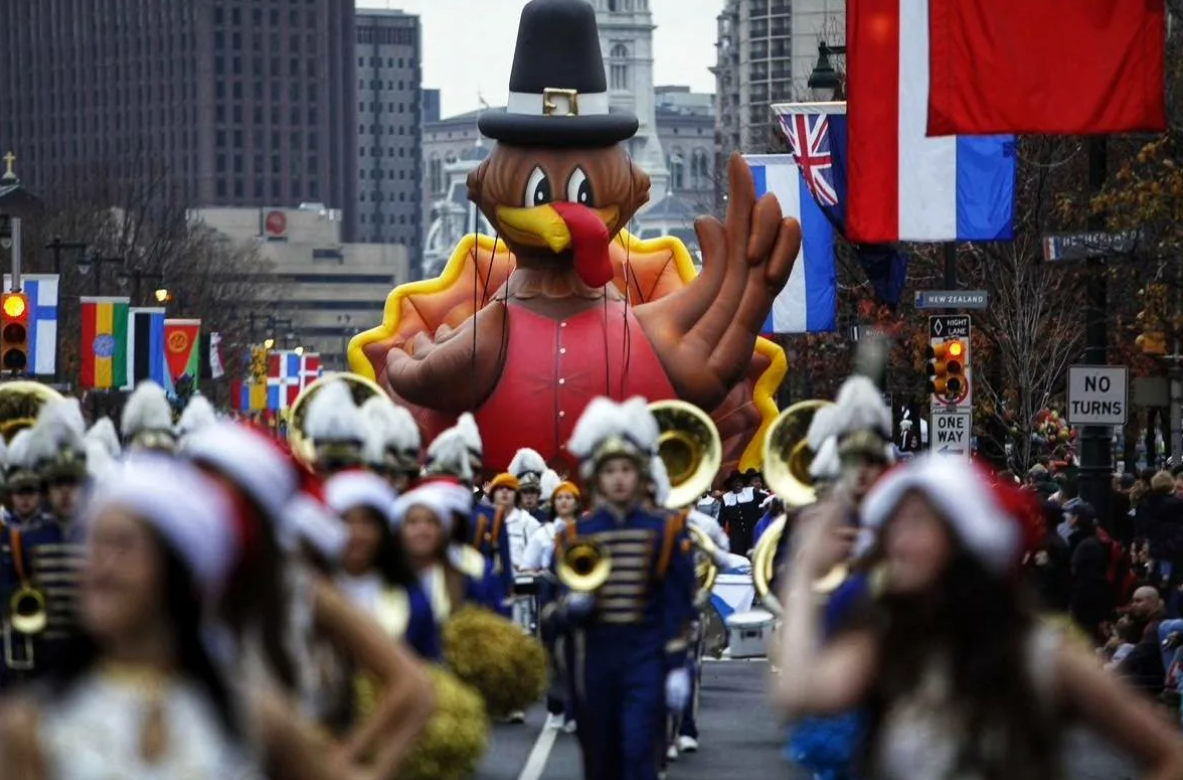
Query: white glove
x=677, y=689
x=580, y=605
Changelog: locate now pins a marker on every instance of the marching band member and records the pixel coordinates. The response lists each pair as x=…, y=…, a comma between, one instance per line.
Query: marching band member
x=198, y=415
x=685, y=731
x=147, y=420
x=334, y=424
x=852, y=440
x=58, y=450
x=265, y=598
x=375, y=573
x=627, y=637
x=528, y=466
x=563, y=500
x=392, y=442
x=36, y=558
x=137, y=695
x=23, y=484
x=522, y=521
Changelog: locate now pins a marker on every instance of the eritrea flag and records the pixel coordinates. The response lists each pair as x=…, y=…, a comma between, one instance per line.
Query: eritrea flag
x=104, y=342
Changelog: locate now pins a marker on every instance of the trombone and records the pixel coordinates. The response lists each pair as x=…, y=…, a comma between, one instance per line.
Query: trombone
x=584, y=566
x=787, y=460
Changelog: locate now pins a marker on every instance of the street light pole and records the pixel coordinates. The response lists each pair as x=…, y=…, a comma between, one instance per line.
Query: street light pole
x=1096, y=458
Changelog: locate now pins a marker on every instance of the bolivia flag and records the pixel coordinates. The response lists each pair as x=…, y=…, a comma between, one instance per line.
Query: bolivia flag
x=104, y=342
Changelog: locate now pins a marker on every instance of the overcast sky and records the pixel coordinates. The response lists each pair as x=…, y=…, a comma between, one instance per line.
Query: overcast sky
x=468, y=45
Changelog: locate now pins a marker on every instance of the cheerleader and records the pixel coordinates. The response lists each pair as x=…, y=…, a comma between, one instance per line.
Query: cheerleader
x=424, y=516
x=957, y=677
x=269, y=600
x=375, y=574
x=137, y=696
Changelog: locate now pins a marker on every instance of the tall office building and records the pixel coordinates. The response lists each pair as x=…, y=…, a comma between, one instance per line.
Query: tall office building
x=626, y=38
x=390, y=130
x=235, y=102
x=765, y=51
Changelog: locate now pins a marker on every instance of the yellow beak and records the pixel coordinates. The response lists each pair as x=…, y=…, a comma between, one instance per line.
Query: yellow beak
x=536, y=226
x=541, y=226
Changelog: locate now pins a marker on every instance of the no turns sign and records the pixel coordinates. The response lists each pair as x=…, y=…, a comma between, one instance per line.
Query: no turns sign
x=1098, y=395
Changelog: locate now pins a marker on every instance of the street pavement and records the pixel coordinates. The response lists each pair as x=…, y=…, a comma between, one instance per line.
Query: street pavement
x=739, y=737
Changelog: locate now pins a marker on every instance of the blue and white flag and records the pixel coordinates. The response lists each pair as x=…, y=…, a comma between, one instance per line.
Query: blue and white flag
x=42, y=290
x=809, y=302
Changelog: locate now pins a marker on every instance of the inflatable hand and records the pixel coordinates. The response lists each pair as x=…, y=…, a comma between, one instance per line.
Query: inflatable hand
x=704, y=333
x=425, y=370
x=677, y=689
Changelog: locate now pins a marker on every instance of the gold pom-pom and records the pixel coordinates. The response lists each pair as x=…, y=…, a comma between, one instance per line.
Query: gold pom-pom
x=492, y=655
x=456, y=736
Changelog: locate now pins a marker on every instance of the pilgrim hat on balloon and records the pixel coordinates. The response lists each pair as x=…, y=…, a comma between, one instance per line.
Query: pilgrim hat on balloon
x=558, y=94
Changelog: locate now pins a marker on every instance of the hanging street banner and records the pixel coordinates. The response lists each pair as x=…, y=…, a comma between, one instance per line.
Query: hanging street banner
x=181, y=338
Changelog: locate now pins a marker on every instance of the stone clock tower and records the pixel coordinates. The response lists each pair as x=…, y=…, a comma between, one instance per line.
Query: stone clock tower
x=626, y=37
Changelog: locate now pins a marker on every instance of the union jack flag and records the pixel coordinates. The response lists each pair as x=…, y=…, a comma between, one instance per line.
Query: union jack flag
x=809, y=137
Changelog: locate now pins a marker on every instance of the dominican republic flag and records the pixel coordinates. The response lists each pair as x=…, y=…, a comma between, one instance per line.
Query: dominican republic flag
x=904, y=185
x=42, y=290
x=283, y=379
x=809, y=302
x=817, y=134
x=310, y=369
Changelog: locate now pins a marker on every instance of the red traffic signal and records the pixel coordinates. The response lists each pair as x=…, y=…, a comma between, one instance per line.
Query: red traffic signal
x=14, y=333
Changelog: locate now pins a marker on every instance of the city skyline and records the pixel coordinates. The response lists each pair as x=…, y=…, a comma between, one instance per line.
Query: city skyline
x=684, y=45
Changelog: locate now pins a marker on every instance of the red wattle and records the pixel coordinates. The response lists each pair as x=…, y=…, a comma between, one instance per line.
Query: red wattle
x=589, y=243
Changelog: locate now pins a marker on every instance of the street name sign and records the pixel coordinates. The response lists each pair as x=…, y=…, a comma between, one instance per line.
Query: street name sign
x=1082, y=246
x=952, y=299
x=952, y=432
x=1098, y=395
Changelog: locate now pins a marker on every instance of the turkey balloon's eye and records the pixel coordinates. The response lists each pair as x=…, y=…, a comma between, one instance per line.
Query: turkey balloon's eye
x=579, y=189
x=537, y=189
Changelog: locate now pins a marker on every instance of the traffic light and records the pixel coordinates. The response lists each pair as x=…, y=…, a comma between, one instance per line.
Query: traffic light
x=947, y=377
x=1152, y=343
x=14, y=332
x=1152, y=324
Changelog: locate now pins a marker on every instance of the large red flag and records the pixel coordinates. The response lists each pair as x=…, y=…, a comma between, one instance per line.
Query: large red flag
x=1055, y=67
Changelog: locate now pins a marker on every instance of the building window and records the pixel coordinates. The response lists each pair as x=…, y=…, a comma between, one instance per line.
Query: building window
x=436, y=173
x=618, y=70
x=677, y=166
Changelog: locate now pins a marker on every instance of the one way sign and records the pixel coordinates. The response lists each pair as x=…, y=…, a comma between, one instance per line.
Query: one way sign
x=951, y=432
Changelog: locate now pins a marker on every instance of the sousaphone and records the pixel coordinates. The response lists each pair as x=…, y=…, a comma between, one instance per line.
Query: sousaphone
x=787, y=459
x=690, y=447
x=303, y=447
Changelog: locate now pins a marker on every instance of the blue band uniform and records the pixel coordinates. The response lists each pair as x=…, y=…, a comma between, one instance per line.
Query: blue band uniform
x=618, y=658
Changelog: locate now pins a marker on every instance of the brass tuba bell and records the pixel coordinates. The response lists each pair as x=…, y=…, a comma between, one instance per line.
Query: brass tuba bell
x=20, y=403
x=787, y=459
x=787, y=455
x=584, y=566
x=302, y=446
x=690, y=447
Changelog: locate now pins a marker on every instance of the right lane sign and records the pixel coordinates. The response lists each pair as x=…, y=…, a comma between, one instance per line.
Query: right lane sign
x=1098, y=395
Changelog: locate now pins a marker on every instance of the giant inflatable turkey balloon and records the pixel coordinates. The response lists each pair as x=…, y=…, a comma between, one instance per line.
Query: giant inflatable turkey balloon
x=525, y=327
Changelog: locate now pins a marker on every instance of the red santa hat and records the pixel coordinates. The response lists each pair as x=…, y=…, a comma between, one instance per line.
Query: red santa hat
x=193, y=516
x=251, y=460
x=439, y=497
x=993, y=523
x=352, y=489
